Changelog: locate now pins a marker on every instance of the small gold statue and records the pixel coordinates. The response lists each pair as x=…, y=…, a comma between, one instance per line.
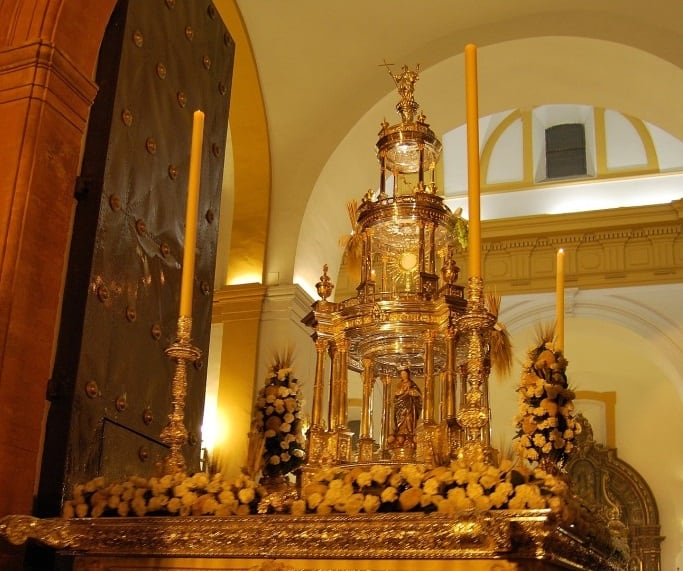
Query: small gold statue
x=405, y=85
x=407, y=410
x=405, y=82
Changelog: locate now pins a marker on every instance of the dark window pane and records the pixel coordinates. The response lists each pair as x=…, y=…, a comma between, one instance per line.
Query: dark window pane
x=565, y=150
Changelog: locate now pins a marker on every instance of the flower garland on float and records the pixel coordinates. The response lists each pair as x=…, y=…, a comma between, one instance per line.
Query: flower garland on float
x=453, y=489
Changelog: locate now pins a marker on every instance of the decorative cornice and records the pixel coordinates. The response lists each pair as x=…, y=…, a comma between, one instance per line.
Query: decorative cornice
x=607, y=248
x=287, y=302
x=41, y=71
x=238, y=302
x=638, y=245
x=583, y=223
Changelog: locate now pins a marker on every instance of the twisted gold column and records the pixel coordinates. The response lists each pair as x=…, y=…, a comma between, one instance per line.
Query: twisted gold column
x=473, y=415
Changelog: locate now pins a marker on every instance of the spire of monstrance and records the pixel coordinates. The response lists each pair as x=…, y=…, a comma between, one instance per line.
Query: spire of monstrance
x=405, y=85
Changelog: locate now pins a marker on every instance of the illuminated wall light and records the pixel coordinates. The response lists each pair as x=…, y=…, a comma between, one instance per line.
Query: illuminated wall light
x=248, y=278
x=209, y=428
x=576, y=197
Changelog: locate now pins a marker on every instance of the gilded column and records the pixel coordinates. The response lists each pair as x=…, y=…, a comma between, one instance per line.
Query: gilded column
x=370, y=278
x=333, y=401
x=343, y=404
x=421, y=252
x=432, y=248
x=386, y=414
x=343, y=434
x=450, y=377
x=364, y=270
x=454, y=431
x=385, y=281
x=366, y=442
x=316, y=434
x=429, y=441
x=420, y=169
x=316, y=416
x=428, y=413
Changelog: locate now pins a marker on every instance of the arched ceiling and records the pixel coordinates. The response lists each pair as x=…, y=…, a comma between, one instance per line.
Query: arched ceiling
x=516, y=74
x=318, y=66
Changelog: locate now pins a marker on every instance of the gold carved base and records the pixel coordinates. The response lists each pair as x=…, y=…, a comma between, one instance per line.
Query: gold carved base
x=520, y=539
x=366, y=450
x=86, y=563
x=402, y=453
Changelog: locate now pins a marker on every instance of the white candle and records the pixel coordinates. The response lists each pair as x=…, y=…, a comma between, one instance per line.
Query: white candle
x=187, y=280
x=559, y=301
x=473, y=195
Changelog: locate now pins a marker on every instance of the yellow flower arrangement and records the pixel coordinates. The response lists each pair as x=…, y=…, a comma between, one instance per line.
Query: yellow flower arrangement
x=170, y=495
x=454, y=489
x=457, y=488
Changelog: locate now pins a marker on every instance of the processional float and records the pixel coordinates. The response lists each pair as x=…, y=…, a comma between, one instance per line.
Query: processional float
x=409, y=320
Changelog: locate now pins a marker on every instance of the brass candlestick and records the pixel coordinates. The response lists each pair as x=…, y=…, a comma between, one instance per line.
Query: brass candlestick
x=174, y=434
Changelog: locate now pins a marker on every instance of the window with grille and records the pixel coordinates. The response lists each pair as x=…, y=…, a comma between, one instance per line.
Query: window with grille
x=565, y=150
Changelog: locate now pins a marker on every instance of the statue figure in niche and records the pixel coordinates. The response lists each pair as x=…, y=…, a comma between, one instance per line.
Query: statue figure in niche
x=407, y=409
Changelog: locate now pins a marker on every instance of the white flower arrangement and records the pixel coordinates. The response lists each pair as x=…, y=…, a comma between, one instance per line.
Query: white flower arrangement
x=546, y=428
x=278, y=421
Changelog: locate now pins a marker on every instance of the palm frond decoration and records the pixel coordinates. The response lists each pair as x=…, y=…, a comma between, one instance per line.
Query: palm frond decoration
x=283, y=359
x=255, y=449
x=458, y=229
x=353, y=242
x=501, y=346
x=545, y=333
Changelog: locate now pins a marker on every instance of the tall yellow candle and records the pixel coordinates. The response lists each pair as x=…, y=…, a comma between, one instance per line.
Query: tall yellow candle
x=473, y=198
x=187, y=281
x=559, y=301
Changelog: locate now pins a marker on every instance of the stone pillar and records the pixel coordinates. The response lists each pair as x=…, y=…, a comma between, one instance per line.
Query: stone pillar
x=46, y=91
x=237, y=310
